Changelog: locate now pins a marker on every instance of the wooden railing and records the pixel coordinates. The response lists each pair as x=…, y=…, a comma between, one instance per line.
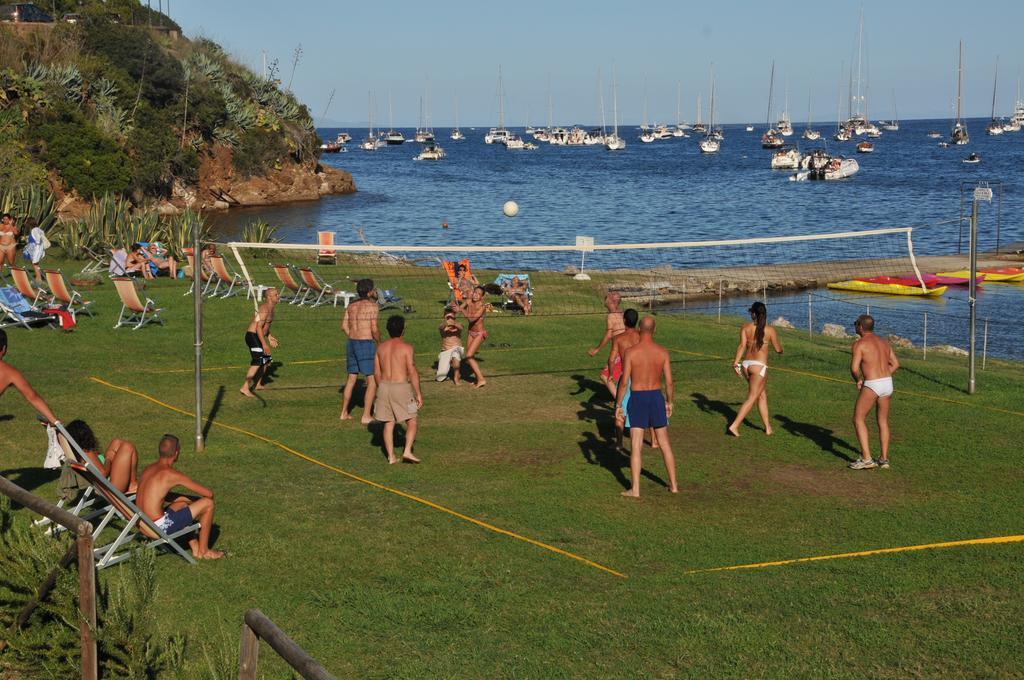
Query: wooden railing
x=256, y=626
x=86, y=571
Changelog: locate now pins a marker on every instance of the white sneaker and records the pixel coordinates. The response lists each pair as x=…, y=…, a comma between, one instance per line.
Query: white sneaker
x=861, y=464
x=883, y=464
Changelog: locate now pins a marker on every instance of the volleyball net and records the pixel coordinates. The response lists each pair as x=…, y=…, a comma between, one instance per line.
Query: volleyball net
x=573, y=279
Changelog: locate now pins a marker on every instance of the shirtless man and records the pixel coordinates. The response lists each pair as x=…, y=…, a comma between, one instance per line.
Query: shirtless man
x=160, y=259
x=9, y=375
x=260, y=341
x=360, y=325
x=643, y=366
x=474, y=310
x=872, y=366
x=517, y=290
x=8, y=239
x=136, y=263
x=157, y=480
x=613, y=326
x=120, y=461
x=753, y=349
x=399, y=398
x=452, y=350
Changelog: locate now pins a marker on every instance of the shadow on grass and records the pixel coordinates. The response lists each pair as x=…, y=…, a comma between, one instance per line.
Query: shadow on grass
x=376, y=430
x=713, y=406
x=822, y=436
x=30, y=478
x=214, y=410
x=933, y=379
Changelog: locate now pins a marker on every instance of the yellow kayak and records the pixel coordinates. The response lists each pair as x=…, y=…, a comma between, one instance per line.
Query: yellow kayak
x=1005, y=275
x=887, y=288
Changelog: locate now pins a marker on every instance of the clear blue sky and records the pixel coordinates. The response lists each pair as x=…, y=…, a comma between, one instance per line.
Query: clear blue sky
x=355, y=47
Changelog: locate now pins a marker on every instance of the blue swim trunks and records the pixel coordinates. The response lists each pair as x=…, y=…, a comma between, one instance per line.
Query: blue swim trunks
x=175, y=520
x=359, y=356
x=647, y=409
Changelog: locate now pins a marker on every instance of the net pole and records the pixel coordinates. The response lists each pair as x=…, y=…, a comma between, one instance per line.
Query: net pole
x=924, y=349
x=972, y=293
x=197, y=294
x=810, y=324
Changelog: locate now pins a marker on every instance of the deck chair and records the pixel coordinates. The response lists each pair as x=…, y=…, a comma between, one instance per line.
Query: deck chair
x=205, y=278
x=71, y=299
x=118, y=265
x=96, y=264
x=135, y=312
x=286, y=275
x=230, y=278
x=23, y=281
x=450, y=269
x=18, y=312
x=507, y=278
x=330, y=256
x=386, y=298
x=316, y=287
x=122, y=509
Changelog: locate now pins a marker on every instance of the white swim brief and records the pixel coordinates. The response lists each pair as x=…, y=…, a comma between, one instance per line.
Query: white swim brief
x=882, y=386
x=747, y=363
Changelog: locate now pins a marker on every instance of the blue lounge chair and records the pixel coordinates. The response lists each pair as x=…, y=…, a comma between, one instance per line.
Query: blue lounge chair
x=18, y=312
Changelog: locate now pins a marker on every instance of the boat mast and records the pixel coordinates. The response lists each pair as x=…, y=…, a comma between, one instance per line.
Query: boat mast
x=391, y=115
x=615, y=104
x=959, y=77
x=456, y=111
x=551, y=108
x=369, y=110
x=771, y=89
x=995, y=81
x=698, y=109
x=679, y=100
x=711, y=124
x=860, y=58
x=644, y=124
x=501, y=101
x=839, y=99
x=808, y=109
x=600, y=98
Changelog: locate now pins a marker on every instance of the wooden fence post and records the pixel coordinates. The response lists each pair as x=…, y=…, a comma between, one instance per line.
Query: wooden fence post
x=248, y=653
x=87, y=603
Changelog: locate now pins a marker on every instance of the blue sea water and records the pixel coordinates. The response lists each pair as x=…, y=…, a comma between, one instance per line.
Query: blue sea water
x=669, y=191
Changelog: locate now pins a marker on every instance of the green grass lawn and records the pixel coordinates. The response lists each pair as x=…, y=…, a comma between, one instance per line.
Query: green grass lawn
x=375, y=584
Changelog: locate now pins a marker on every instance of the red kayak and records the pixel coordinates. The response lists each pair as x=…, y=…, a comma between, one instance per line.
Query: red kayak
x=930, y=280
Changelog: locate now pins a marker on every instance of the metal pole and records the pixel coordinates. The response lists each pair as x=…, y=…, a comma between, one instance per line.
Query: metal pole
x=999, y=216
x=810, y=325
x=684, y=298
x=197, y=293
x=765, y=292
x=960, y=233
x=972, y=293
x=984, y=346
x=719, y=300
x=925, y=355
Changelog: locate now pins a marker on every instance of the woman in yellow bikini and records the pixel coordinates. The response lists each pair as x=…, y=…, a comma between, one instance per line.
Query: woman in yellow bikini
x=753, y=350
x=8, y=239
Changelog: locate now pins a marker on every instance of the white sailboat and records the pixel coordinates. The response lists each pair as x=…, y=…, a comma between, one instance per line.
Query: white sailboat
x=393, y=137
x=1017, y=119
x=785, y=126
x=996, y=126
x=456, y=132
x=771, y=139
x=698, y=126
x=958, y=135
x=499, y=135
x=680, y=127
x=842, y=131
x=646, y=133
x=810, y=133
x=372, y=141
x=711, y=142
x=613, y=142
x=894, y=124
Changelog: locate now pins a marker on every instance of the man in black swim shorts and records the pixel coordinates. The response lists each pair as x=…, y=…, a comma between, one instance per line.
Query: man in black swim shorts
x=260, y=341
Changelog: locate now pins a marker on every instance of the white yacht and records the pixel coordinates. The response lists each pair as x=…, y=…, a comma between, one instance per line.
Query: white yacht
x=613, y=142
x=372, y=141
x=996, y=127
x=771, y=139
x=499, y=135
x=514, y=142
x=711, y=143
x=810, y=133
x=786, y=158
x=430, y=152
x=456, y=134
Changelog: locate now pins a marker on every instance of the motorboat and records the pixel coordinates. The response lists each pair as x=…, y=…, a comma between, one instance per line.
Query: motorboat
x=873, y=133
x=647, y=137
x=496, y=136
x=771, y=139
x=343, y=138
x=750, y=128
x=784, y=127
x=424, y=136
x=996, y=127
x=973, y=159
x=514, y=142
x=843, y=135
x=815, y=160
x=889, y=125
x=932, y=134
x=836, y=168
x=457, y=135
x=331, y=147
x=786, y=158
x=710, y=145
x=865, y=147
x=530, y=146
x=811, y=135
x=394, y=138
x=430, y=152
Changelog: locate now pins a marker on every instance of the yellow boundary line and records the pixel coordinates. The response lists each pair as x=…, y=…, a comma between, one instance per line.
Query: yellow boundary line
x=326, y=466
x=865, y=553
x=829, y=378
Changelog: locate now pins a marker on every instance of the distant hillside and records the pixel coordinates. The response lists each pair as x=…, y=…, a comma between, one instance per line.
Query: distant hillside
x=112, y=105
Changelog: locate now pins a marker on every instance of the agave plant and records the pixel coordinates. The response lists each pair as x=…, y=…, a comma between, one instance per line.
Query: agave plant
x=30, y=204
x=227, y=136
x=179, y=232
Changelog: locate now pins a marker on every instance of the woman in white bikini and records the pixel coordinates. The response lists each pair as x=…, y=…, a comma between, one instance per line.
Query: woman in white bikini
x=753, y=349
x=8, y=239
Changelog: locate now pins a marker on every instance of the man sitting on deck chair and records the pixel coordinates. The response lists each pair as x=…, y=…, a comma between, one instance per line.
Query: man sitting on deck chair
x=156, y=482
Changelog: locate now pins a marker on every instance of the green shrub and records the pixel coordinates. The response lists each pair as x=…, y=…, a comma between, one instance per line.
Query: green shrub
x=140, y=57
x=89, y=162
x=258, y=152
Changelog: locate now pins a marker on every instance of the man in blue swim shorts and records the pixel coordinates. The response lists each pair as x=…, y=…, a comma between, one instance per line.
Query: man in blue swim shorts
x=643, y=366
x=360, y=325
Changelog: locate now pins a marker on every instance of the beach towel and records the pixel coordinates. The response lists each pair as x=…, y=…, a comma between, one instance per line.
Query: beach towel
x=37, y=245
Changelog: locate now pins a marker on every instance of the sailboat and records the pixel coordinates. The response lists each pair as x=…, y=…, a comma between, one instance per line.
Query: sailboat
x=842, y=131
x=894, y=124
x=393, y=137
x=614, y=142
x=680, y=127
x=995, y=127
x=810, y=133
x=372, y=142
x=498, y=135
x=784, y=125
x=771, y=139
x=456, y=132
x=958, y=135
x=711, y=142
x=697, y=125
x=1017, y=119
x=646, y=132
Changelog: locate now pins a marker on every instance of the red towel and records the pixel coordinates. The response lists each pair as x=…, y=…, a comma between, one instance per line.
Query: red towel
x=63, y=316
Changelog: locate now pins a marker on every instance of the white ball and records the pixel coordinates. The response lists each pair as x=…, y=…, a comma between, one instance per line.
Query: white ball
x=511, y=208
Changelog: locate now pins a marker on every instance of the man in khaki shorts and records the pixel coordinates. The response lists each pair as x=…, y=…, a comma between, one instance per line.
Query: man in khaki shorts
x=452, y=351
x=399, y=398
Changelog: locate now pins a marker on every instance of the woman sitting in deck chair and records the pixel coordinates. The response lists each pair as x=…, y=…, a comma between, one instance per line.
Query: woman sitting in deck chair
x=120, y=461
x=160, y=262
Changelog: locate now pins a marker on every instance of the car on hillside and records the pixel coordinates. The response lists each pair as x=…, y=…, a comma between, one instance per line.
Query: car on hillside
x=24, y=13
